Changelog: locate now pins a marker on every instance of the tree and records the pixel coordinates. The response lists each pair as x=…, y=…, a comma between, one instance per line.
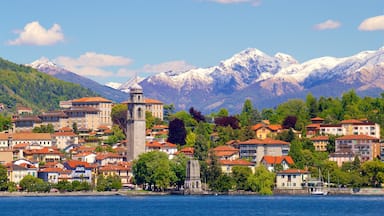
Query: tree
x=179, y=167
x=240, y=175
x=249, y=116
x=119, y=116
x=168, y=110
x=289, y=122
x=177, y=132
x=63, y=186
x=222, y=113
x=223, y=183
x=5, y=123
x=196, y=115
x=74, y=127
x=374, y=170
x=153, y=169
x=231, y=121
x=190, y=140
x=201, y=147
x=262, y=181
x=31, y=184
x=312, y=105
x=3, y=178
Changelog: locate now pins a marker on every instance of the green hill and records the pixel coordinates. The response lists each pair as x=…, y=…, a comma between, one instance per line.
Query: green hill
x=24, y=85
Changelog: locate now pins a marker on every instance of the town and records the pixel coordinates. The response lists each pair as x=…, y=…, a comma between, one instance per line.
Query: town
x=90, y=143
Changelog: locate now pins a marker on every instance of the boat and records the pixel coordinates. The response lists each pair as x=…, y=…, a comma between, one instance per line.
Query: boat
x=317, y=187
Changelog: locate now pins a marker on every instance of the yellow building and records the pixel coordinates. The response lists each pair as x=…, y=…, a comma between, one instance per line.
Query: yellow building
x=155, y=107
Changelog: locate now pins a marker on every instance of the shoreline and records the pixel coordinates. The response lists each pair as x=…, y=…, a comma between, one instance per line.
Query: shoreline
x=361, y=192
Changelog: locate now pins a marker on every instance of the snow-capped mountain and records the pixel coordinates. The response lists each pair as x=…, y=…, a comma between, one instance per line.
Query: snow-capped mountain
x=125, y=86
x=113, y=85
x=46, y=66
x=267, y=80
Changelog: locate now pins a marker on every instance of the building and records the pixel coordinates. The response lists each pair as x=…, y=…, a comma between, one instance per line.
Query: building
x=156, y=107
x=163, y=146
x=226, y=153
x=135, y=122
x=103, y=106
x=341, y=157
x=292, y=179
x=352, y=127
x=227, y=165
x=25, y=124
x=320, y=143
x=8, y=140
x=364, y=146
x=80, y=171
x=256, y=149
x=270, y=162
x=123, y=170
x=263, y=130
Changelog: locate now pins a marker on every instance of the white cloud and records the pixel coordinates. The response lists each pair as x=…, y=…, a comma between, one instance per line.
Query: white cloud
x=93, y=64
x=372, y=24
x=176, y=66
x=329, y=24
x=252, y=2
x=35, y=34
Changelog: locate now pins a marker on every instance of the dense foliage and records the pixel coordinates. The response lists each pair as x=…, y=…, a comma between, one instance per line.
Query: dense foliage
x=23, y=85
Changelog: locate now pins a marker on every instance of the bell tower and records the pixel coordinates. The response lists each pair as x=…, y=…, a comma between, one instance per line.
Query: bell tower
x=135, y=122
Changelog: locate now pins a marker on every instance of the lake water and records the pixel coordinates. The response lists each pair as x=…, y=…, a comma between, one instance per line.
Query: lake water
x=192, y=205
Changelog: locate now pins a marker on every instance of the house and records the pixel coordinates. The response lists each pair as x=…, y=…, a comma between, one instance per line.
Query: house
x=255, y=149
x=88, y=157
x=156, y=107
x=292, y=179
x=23, y=110
x=58, y=119
x=123, y=170
x=6, y=156
x=80, y=170
x=270, y=162
x=320, y=143
x=43, y=155
x=25, y=123
x=187, y=151
x=65, y=138
x=52, y=174
x=40, y=139
x=341, y=157
x=366, y=147
x=16, y=172
x=103, y=107
x=263, y=130
x=352, y=127
x=227, y=165
x=162, y=146
x=226, y=152
x=312, y=129
x=103, y=159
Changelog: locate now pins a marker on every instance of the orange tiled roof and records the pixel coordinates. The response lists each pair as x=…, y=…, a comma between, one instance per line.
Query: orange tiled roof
x=26, y=136
x=257, y=126
x=20, y=146
x=51, y=170
x=74, y=163
x=320, y=138
x=160, y=127
x=222, y=151
x=317, y=126
x=238, y=162
x=66, y=129
x=293, y=171
x=357, y=137
x=350, y=121
x=102, y=156
x=111, y=167
x=317, y=119
x=155, y=144
x=186, y=151
x=277, y=159
x=152, y=101
x=91, y=99
x=44, y=150
x=64, y=133
x=267, y=141
x=275, y=127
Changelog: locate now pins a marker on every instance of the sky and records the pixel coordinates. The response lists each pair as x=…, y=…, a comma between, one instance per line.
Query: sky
x=115, y=40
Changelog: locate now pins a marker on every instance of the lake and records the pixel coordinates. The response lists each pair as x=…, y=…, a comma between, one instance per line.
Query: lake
x=192, y=205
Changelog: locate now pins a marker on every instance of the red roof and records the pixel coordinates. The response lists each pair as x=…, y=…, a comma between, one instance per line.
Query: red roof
x=74, y=163
x=91, y=99
x=320, y=138
x=186, y=151
x=152, y=101
x=317, y=126
x=238, y=162
x=357, y=137
x=44, y=150
x=222, y=151
x=277, y=159
x=102, y=156
x=317, y=119
x=350, y=121
x=267, y=141
x=155, y=144
x=114, y=168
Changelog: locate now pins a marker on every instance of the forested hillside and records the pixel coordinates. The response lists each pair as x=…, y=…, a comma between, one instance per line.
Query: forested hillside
x=26, y=86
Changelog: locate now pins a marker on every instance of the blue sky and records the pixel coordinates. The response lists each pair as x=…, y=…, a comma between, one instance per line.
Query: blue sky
x=112, y=40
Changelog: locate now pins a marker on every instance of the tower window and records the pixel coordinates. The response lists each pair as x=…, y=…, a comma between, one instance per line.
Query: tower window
x=139, y=113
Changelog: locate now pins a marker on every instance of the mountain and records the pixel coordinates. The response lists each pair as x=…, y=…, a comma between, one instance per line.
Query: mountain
x=24, y=85
x=267, y=80
x=46, y=66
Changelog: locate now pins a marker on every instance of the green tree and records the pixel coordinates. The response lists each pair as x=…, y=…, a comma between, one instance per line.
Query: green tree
x=3, y=178
x=223, y=183
x=31, y=184
x=179, y=167
x=201, y=147
x=63, y=186
x=262, y=181
x=5, y=123
x=312, y=105
x=240, y=175
x=119, y=116
x=177, y=132
x=374, y=170
x=190, y=139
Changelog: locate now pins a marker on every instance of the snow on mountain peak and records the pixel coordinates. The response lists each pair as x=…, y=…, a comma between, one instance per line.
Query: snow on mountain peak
x=286, y=58
x=42, y=62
